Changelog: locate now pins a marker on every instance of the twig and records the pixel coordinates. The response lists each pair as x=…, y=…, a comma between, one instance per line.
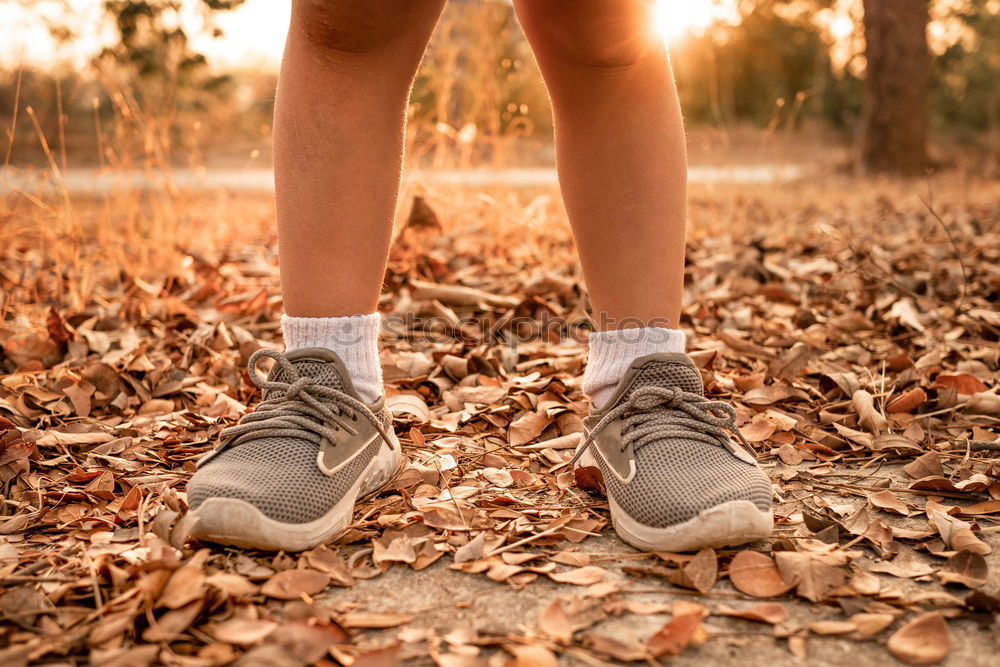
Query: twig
x=33, y=578
x=958, y=255
x=537, y=536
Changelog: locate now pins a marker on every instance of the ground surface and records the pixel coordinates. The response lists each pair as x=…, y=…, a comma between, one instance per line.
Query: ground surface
x=854, y=324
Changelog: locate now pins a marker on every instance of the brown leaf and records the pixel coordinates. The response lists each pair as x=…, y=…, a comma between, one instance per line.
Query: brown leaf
x=758, y=430
x=32, y=348
x=56, y=327
x=583, y=576
x=925, y=465
x=956, y=533
x=767, y=612
x=906, y=565
x=869, y=625
x=814, y=575
x=422, y=215
x=293, y=584
x=831, y=627
x=374, y=619
x=908, y=402
x=444, y=519
x=924, y=640
x=774, y=393
x=963, y=383
x=554, y=622
x=683, y=628
x=307, y=642
x=756, y=574
x=590, y=479
x=531, y=655
x=699, y=573
x=790, y=455
x=327, y=560
x=232, y=584
x=868, y=416
x=186, y=584
x=965, y=567
x=620, y=647
x=888, y=501
x=471, y=550
x=172, y=623
x=242, y=631
x=527, y=427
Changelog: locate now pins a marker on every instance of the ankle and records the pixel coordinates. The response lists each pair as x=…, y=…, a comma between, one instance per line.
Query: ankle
x=611, y=353
x=353, y=337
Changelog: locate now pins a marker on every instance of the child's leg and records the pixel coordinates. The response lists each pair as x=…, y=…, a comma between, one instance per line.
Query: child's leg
x=675, y=481
x=338, y=146
x=288, y=475
x=620, y=152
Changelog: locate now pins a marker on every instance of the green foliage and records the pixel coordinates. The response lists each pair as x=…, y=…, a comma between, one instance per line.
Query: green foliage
x=967, y=75
x=767, y=68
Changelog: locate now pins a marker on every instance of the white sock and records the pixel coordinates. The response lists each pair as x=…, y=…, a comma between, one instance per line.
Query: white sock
x=353, y=337
x=611, y=353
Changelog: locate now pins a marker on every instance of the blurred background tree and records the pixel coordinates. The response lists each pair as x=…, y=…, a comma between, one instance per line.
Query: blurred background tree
x=926, y=81
x=897, y=86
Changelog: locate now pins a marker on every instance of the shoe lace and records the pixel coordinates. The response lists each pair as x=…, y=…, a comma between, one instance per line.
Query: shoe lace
x=305, y=409
x=653, y=413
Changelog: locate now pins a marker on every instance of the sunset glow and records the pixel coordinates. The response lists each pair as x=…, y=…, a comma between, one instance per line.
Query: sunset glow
x=676, y=18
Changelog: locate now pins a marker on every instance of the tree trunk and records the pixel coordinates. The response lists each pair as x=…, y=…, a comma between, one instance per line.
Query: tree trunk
x=897, y=86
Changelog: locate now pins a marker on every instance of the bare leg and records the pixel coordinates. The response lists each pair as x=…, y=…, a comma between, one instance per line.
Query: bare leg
x=338, y=145
x=620, y=152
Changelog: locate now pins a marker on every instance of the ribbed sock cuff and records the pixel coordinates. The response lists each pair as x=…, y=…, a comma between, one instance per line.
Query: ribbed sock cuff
x=611, y=353
x=353, y=337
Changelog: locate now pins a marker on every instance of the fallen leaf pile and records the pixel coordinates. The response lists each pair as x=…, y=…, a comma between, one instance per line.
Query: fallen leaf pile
x=858, y=339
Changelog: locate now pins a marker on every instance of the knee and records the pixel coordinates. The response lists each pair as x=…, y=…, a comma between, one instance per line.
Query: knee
x=590, y=33
x=363, y=27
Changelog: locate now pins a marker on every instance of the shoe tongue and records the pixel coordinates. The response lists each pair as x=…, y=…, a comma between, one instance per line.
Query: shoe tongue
x=323, y=366
x=665, y=370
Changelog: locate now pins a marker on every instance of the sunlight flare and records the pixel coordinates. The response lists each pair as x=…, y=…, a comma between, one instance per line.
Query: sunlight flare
x=676, y=18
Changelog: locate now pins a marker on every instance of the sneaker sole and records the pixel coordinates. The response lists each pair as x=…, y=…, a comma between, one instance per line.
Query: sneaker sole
x=238, y=523
x=726, y=525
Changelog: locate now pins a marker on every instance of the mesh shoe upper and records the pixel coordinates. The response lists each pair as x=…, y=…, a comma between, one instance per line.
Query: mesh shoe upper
x=278, y=473
x=682, y=466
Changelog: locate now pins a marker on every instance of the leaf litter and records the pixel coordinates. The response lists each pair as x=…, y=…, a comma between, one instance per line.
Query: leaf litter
x=857, y=342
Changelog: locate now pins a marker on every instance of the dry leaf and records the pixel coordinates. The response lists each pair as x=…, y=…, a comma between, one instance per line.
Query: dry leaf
x=756, y=574
x=868, y=416
x=908, y=402
x=815, y=575
x=869, y=625
x=186, y=584
x=888, y=501
x=767, y=612
x=374, y=619
x=293, y=584
x=965, y=567
x=832, y=627
x=554, y=622
x=699, y=573
x=956, y=533
x=583, y=576
x=683, y=628
x=924, y=640
x=242, y=631
x=531, y=656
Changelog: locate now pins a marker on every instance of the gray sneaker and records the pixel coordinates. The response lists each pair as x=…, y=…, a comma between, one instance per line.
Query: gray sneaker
x=675, y=480
x=288, y=475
